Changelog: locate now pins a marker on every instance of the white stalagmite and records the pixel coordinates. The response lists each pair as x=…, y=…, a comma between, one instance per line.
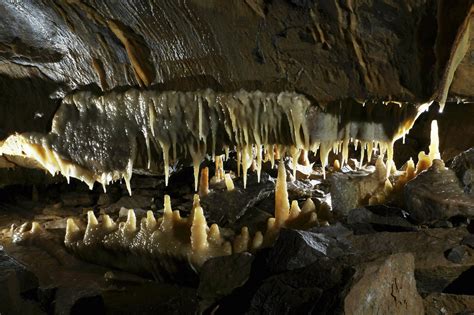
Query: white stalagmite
x=282, y=206
x=434, y=141
x=229, y=183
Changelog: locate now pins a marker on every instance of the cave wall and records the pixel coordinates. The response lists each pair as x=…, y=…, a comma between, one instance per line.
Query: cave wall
x=327, y=50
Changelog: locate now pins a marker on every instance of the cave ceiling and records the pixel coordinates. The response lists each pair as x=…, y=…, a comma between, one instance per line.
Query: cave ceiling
x=327, y=50
x=411, y=52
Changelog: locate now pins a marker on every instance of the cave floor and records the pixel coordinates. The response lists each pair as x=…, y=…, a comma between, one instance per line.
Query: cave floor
x=334, y=260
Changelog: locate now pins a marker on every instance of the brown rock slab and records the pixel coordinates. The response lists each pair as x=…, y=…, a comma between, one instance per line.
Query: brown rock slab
x=437, y=194
x=386, y=286
x=441, y=303
x=433, y=271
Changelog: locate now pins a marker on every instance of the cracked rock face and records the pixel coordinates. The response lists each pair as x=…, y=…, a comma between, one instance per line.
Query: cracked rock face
x=407, y=51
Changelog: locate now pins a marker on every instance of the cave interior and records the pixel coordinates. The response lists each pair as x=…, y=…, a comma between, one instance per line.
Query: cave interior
x=237, y=157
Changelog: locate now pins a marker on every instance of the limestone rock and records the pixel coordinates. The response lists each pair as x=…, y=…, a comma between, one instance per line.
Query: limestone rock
x=378, y=218
x=436, y=194
x=434, y=273
x=463, y=165
x=297, y=249
x=222, y=275
x=386, y=286
x=441, y=303
x=316, y=288
x=15, y=282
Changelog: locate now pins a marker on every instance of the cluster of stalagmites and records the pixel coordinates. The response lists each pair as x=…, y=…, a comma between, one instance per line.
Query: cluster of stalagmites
x=158, y=246
x=103, y=138
x=385, y=184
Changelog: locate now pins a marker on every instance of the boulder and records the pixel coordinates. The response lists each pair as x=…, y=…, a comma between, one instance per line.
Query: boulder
x=441, y=304
x=316, y=288
x=371, y=219
x=297, y=249
x=221, y=275
x=463, y=165
x=386, y=286
x=433, y=271
x=16, y=282
x=437, y=194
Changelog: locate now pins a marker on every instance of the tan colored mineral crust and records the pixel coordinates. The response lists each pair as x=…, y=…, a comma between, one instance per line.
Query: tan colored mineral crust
x=164, y=245
x=103, y=138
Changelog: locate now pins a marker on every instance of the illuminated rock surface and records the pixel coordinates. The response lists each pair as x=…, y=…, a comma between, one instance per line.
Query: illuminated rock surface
x=200, y=101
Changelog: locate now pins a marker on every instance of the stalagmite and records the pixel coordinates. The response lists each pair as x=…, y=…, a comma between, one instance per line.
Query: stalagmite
x=219, y=170
x=336, y=165
x=294, y=210
x=257, y=241
x=434, y=141
x=308, y=206
x=241, y=241
x=157, y=245
x=229, y=183
x=426, y=160
x=282, y=206
x=199, y=231
x=204, y=182
x=131, y=223
x=72, y=230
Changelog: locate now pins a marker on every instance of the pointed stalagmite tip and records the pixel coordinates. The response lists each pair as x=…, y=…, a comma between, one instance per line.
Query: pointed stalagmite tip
x=131, y=223
x=229, y=183
x=282, y=205
x=199, y=230
x=91, y=218
x=204, y=182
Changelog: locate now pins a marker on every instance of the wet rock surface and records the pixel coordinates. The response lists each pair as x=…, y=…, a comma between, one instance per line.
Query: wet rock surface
x=387, y=286
x=238, y=201
x=296, y=249
x=220, y=276
x=16, y=282
x=463, y=165
x=437, y=194
x=373, y=219
x=439, y=304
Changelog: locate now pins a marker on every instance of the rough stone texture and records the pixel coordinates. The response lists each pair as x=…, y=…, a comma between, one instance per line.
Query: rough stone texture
x=226, y=207
x=222, y=275
x=385, y=287
x=353, y=190
x=316, y=288
x=433, y=271
x=463, y=165
x=129, y=202
x=77, y=198
x=378, y=218
x=225, y=45
x=456, y=254
x=468, y=240
x=328, y=50
x=297, y=249
x=440, y=304
x=16, y=281
x=437, y=194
